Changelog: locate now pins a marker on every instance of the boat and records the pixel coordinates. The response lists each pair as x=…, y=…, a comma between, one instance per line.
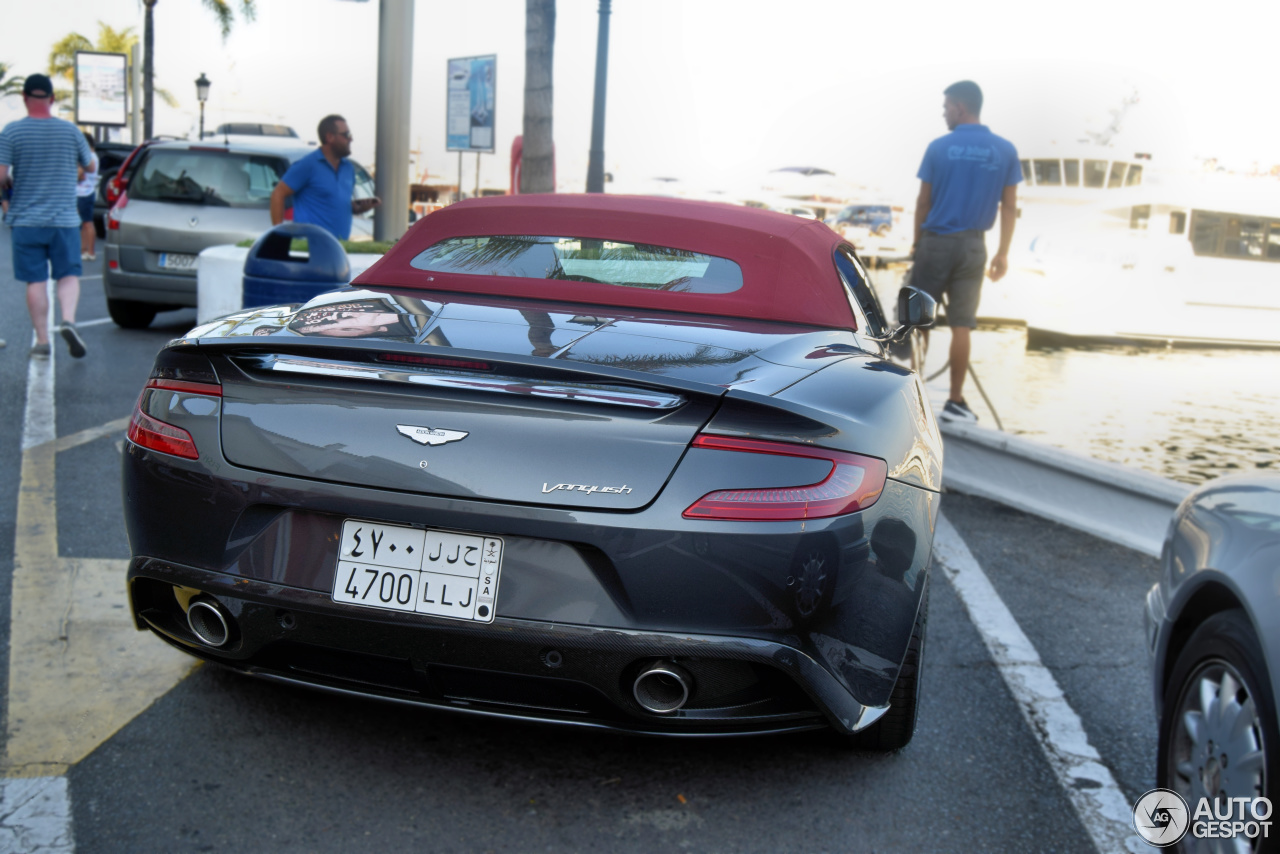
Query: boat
x=1125, y=250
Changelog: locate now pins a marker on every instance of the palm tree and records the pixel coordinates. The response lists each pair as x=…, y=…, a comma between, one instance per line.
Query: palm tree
x=221, y=10
x=9, y=85
x=537, y=166
x=62, y=56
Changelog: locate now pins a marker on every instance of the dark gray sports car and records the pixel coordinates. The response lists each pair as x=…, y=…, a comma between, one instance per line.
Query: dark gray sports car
x=629, y=463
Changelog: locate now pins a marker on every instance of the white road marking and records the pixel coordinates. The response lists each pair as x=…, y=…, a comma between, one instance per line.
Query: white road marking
x=84, y=437
x=1103, y=809
x=38, y=422
x=35, y=815
x=35, y=812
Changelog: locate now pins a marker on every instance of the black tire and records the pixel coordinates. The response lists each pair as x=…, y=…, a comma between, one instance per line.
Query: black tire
x=1223, y=648
x=129, y=314
x=896, y=727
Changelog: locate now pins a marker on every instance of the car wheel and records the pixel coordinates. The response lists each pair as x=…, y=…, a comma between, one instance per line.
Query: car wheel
x=896, y=727
x=1218, y=736
x=130, y=314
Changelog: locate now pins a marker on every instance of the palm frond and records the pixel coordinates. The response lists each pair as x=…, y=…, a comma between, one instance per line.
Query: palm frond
x=9, y=85
x=221, y=10
x=62, y=56
x=111, y=40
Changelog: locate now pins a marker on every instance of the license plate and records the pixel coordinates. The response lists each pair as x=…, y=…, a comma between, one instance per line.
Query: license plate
x=398, y=568
x=174, y=261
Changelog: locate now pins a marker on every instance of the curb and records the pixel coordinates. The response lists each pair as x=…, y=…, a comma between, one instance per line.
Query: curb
x=1108, y=500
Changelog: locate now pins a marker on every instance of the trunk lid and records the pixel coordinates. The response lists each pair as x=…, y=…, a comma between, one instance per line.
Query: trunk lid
x=530, y=405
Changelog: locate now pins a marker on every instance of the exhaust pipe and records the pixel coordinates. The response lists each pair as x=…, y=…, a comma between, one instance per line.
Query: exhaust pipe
x=208, y=621
x=662, y=688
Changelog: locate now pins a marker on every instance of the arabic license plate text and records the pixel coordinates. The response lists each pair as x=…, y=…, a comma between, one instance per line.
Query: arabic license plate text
x=398, y=568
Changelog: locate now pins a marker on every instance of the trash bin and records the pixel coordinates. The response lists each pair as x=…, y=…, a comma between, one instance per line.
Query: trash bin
x=273, y=275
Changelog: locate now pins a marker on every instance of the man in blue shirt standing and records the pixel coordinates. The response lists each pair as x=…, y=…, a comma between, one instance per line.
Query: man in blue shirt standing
x=322, y=182
x=966, y=175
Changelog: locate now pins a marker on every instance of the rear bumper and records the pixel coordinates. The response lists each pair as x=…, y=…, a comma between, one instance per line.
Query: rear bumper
x=742, y=686
x=843, y=592
x=129, y=281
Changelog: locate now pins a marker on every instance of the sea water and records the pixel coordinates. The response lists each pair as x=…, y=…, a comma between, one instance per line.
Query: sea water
x=1183, y=413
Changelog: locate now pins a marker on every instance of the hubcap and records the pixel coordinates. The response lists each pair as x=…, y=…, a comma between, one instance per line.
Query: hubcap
x=1217, y=750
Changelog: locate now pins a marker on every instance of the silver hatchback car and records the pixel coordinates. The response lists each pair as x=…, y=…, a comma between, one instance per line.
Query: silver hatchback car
x=185, y=197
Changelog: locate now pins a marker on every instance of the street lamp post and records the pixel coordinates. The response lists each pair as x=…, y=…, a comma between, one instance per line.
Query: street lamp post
x=202, y=93
x=595, y=162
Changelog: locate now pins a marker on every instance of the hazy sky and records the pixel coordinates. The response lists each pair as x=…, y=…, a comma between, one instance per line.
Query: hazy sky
x=713, y=88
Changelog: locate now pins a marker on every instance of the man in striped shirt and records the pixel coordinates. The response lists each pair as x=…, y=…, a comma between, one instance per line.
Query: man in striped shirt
x=43, y=153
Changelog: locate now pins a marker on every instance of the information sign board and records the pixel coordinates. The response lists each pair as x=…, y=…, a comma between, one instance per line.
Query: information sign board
x=102, y=81
x=470, y=99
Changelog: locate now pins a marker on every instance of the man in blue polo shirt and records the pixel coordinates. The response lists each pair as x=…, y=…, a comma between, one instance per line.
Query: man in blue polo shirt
x=966, y=175
x=322, y=182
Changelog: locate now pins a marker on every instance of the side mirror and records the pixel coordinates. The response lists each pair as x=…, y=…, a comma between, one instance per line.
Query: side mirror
x=915, y=308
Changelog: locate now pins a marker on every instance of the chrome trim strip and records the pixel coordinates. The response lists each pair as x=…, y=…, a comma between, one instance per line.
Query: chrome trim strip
x=610, y=395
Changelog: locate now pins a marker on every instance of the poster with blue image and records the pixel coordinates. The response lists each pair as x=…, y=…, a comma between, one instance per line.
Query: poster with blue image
x=469, y=122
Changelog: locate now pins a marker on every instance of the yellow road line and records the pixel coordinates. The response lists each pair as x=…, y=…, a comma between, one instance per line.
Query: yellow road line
x=78, y=670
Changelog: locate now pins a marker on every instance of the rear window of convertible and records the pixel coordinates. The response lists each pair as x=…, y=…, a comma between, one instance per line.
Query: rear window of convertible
x=576, y=259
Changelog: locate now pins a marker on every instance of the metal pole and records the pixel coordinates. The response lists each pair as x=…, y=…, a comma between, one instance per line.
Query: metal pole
x=458, y=195
x=595, y=166
x=395, y=74
x=135, y=116
x=476, y=195
x=148, y=69
x=202, y=119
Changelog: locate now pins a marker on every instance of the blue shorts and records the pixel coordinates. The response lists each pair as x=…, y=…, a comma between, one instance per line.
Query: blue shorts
x=36, y=249
x=85, y=205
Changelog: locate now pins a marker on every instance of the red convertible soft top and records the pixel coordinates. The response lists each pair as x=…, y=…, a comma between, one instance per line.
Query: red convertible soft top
x=788, y=271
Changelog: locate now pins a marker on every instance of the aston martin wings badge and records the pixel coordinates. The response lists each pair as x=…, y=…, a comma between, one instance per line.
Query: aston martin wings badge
x=430, y=435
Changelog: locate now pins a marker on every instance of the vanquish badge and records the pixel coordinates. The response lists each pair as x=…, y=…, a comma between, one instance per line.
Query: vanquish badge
x=587, y=488
x=430, y=435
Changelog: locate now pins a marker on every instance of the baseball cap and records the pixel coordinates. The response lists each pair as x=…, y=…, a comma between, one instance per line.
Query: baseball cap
x=37, y=85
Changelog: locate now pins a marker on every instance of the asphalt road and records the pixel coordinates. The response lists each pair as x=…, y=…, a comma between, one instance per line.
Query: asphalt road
x=225, y=763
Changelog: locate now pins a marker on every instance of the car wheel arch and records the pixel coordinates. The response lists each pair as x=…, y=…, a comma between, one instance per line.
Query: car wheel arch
x=1210, y=597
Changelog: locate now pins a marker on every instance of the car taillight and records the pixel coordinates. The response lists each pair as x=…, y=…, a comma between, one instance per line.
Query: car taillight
x=113, y=221
x=854, y=483
x=187, y=386
x=156, y=435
